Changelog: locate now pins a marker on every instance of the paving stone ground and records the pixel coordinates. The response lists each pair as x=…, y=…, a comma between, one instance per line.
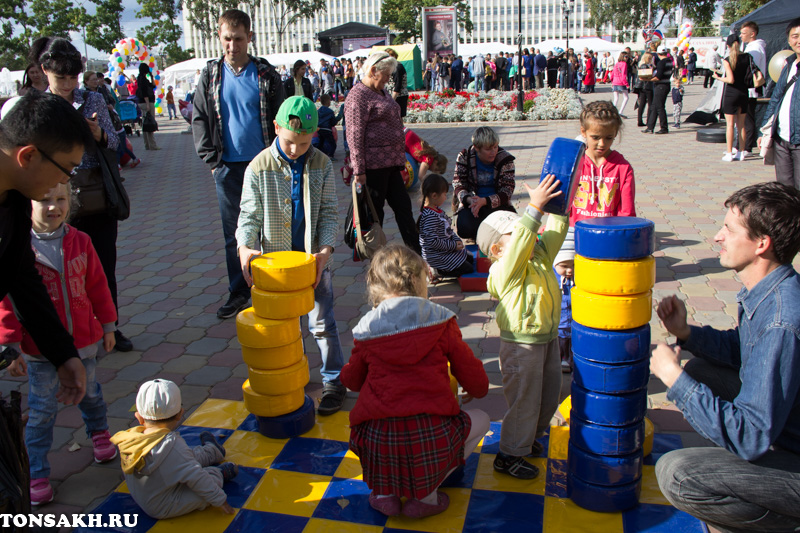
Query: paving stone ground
x=172, y=277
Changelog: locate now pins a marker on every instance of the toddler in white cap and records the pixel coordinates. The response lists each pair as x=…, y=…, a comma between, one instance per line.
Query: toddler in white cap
x=165, y=476
x=564, y=266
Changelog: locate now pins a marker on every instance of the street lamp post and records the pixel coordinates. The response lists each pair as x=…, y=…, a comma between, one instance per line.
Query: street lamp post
x=567, y=6
x=520, y=93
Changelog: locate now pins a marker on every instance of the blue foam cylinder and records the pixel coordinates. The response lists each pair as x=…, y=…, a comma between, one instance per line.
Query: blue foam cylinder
x=615, y=238
x=609, y=409
x=611, y=347
x=603, y=499
x=611, y=379
x=603, y=469
x=605, y=440
x=288, y=425
x=564, y=160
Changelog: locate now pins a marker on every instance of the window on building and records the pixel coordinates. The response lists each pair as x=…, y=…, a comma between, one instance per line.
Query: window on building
x=494, y=10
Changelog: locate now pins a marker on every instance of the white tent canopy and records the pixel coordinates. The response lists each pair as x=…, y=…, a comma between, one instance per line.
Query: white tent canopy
x=592, y=43
x=471, y=49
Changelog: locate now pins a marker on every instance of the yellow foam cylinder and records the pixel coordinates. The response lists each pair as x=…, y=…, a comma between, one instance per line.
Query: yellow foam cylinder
x=257, y=332
x=565, y=408
x=615, y=278
x=453, y=384
x=281, y=380
x=611, y=312
x=284, y=271
x=281, y=305
x=264, y=405
x=649, y=431
x=273, y=358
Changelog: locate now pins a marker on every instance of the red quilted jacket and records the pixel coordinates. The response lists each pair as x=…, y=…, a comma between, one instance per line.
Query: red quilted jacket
x=405, y=373
x=81, y=296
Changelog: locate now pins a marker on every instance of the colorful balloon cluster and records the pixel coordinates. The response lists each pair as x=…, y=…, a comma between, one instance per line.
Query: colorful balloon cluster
x=129, y=49
x=684, y=36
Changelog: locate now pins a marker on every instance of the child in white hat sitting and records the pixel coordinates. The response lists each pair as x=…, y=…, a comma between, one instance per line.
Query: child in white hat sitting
x=165, y=476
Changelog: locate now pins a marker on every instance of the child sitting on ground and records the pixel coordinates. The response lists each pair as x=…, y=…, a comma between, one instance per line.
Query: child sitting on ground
x=399, y=364
x=325, y=140
x=606, y=186
x=441, y=247
x=523, y=281
x=289, y=203
x=73, y=275
x=564, y=266
x=166, y=477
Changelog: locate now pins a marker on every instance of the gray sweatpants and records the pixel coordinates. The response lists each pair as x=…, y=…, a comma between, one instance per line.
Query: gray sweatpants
x=183, y=499
x=787, y=163
x=722, y=489
x=531, y=385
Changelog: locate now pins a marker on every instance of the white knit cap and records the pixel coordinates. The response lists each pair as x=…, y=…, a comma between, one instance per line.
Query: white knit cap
x=158, y=399
x=567, y=251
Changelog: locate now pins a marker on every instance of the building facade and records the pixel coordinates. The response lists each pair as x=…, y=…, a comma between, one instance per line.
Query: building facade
x=493, y=21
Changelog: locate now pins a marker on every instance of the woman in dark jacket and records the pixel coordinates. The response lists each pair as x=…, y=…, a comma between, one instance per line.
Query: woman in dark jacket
x=146, y=93
x=552, y=70
x=646, y=91
x=298, y=81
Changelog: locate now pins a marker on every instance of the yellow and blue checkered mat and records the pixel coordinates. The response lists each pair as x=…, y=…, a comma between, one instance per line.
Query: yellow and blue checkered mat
x=313, y=484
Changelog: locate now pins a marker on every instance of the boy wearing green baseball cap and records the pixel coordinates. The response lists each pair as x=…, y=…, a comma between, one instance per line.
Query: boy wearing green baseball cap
x=289, y=200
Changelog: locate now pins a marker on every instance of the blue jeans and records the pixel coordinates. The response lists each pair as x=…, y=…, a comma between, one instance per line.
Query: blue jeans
x=229, y=178
x=43, y=408
x=322, y=324
x=171, y=110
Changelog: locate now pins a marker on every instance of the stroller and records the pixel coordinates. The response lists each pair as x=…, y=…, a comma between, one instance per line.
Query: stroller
x=131, y=116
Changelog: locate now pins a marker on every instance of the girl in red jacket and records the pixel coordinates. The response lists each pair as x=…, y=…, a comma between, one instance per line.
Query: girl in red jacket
x=73, y=275
x=407, y=427
x=606, y=187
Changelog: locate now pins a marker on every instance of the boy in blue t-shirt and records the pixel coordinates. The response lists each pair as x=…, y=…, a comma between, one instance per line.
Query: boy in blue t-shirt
x=325, y=140
x=564, y=265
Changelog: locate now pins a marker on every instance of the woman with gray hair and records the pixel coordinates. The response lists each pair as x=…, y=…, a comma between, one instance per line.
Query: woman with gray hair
x=377, y=143
x=483, y=183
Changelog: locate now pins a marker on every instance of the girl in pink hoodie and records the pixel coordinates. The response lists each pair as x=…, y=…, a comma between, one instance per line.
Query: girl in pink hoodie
x=619, y=82
x=606, y=187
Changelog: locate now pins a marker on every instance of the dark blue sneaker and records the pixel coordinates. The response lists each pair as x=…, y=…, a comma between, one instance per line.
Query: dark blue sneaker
x=229, y=471
x=206, y=437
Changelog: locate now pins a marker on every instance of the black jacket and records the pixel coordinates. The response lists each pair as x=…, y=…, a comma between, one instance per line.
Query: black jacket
x=21, y=282
x=288, y=88
x=664, y=69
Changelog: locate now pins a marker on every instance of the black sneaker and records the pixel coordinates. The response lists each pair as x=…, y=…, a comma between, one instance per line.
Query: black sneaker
x=206, y=437
x=229, y=471
x=332, y=399
x=514, y=466
x=662, y=132
x=537, y=449
x=123, y=343
x=235, y=303
x=647, y=131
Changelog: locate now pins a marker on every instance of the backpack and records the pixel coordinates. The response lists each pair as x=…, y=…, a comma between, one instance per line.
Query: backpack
x=444, y=69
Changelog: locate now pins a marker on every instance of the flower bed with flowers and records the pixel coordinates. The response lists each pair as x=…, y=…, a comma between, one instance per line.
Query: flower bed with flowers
x=452, y=106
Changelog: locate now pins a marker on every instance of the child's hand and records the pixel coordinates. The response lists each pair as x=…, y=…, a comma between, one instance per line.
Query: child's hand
x=460, y=245
x=546, y=191
x=109, y=341
x=227, y=509
x=18, y=367
x=466, y=398
x=246, y=255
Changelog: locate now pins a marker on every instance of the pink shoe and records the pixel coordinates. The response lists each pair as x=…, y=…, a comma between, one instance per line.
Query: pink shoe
x=389, y=506
x=41, y=491
x=418, y=509
x=104, y=451
x=135, y=162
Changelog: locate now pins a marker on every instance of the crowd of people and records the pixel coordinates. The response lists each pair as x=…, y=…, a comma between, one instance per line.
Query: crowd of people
x=276, y=192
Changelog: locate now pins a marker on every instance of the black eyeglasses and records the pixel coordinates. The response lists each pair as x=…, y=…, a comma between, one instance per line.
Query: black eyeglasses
x=70, y=173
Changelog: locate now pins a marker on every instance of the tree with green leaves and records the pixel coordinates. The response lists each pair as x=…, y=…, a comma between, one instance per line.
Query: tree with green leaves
x=203, y=14
x=286, y=12
x=630, y=16
x=163, y=31
x=736, y=9
x=103, y=29
x=404, y=17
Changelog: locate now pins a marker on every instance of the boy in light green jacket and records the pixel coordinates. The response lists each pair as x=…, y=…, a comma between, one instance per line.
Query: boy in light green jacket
x=528, y=313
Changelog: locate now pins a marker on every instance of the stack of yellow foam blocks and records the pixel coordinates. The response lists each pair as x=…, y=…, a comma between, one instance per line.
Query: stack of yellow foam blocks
x=272, y=344
x=611, y=311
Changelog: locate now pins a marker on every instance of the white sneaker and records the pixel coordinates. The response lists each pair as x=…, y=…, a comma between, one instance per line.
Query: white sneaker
x=741, y=155
x=728, y=157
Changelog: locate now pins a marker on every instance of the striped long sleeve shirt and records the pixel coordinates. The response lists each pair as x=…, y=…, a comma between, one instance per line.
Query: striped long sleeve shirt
x=438, y=240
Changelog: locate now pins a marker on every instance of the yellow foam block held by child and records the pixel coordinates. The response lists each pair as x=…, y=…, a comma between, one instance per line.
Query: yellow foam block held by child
x=284, y=271
x=611, y=312
x=615, y=278
x=265, y=405
x=281, y=305
x=273, y=358
x=257, y=332
x=281, y=380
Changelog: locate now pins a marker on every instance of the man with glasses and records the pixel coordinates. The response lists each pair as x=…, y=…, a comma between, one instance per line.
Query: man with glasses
x=34, y=158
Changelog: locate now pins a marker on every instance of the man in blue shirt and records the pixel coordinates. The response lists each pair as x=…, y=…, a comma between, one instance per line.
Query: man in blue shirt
x=742, y=389
x=235, y=104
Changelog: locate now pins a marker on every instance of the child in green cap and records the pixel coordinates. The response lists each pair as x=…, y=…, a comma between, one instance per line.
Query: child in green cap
x=289, y=199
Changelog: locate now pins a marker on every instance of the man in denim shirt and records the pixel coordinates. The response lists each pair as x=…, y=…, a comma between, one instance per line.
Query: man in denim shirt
x=742, y=389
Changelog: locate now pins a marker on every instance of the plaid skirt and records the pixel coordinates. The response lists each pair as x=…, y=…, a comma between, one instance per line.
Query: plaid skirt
x=410, y=456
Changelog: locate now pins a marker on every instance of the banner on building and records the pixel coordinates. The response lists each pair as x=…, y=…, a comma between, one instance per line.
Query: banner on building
x=439, y=31
x=351, y=45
